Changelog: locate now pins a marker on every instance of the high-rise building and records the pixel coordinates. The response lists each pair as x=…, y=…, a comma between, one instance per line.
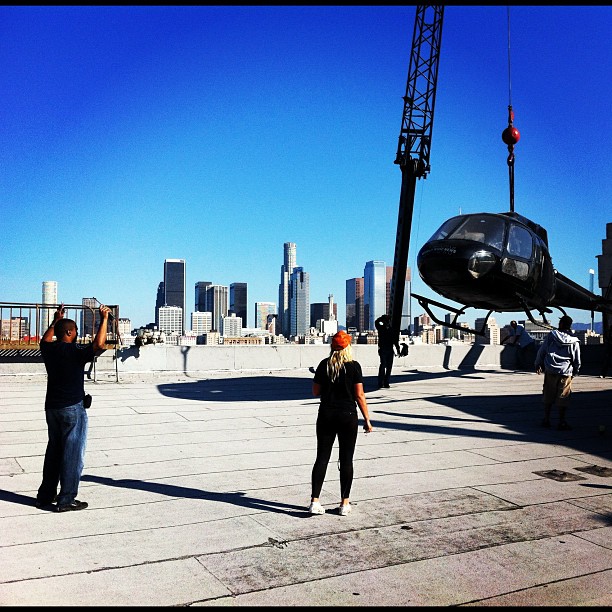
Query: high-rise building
x=90, y=317
x=284, y=312
x=374, y=292
x=299, y=302
x=238, y=301
x=159, y=301
x=232, y=326
x=201, y=322
x=200, y=296
x=171, y=320
x=319, y=311
x=217, y=301
x=174, y=286
x=492, y=331
x=49, y=296
x=354, y=304
x=262, y=310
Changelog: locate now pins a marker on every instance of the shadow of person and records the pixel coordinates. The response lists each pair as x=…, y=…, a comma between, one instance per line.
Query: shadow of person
x=24, y=500
x=237, y=498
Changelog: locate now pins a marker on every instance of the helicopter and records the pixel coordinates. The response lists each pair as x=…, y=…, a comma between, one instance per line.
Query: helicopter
x=498, y=262
x=492, y=261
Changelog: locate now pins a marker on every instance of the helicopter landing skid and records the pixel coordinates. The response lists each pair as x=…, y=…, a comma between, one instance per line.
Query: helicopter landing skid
x=426, y=303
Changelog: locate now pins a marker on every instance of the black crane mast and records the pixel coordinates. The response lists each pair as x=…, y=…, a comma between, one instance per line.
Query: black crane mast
x=415, y=138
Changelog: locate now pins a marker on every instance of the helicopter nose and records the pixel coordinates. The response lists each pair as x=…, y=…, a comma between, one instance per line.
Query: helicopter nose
x=480, y=263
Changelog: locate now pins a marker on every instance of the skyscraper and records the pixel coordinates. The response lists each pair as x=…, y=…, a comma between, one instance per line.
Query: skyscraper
x=174, y=286
x=49, y=296
x=159, y=302
x=374, y=292
x=90, y=317
x=289, y=264
x=238, y=301
x=299, y=302
x=354, y=303
x=200, y=296
x=217, y=302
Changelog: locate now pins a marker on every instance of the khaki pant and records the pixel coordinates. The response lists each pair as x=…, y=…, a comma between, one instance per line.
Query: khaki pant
x=557, y=389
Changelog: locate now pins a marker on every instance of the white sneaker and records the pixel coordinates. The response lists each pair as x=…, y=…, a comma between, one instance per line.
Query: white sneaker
x=344, y=510
x=316, y=508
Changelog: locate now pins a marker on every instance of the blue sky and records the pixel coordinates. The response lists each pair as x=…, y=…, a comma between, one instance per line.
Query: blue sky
x=215, y=134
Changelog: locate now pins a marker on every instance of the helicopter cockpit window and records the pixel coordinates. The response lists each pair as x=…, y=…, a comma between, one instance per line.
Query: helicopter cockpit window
x=445, y=229
x=486, y=229
x=520, y=243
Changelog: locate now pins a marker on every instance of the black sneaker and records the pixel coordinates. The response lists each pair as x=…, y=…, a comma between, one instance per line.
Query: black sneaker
x=43, y=503
x=73, y=505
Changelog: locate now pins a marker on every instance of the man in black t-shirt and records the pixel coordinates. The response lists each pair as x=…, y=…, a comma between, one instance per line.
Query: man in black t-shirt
x=66, y=417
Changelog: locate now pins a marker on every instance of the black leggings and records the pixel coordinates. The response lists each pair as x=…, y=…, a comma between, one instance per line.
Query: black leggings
x=332, y=423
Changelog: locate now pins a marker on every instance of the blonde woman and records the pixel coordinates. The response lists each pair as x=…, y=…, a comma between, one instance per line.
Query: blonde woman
x=338, y=381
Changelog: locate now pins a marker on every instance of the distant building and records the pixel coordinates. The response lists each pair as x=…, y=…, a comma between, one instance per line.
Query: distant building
x=171, y=320
x=299, y=302
x=492, y=331
x=232, y=326
x=49, y=296
x=174, y=286
x=238, y=301
x=217, y=299
x=354, y=304
x=201, y=304
x=374, y=292
x=90, y=317
x=201, y=322
x=284, y=311
x=262, y=310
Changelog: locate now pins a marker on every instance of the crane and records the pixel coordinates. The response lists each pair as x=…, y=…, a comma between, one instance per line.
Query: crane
x=414, y=144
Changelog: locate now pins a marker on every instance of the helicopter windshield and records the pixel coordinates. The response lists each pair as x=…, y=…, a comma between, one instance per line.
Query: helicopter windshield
x=487, y=229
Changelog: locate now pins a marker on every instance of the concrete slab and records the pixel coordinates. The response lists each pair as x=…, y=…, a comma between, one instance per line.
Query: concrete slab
x=198, y=489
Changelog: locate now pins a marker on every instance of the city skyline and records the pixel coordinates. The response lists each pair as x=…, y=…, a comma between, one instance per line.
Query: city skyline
x=243, y=121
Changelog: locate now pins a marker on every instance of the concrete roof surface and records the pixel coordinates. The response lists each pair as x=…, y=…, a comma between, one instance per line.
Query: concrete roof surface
x=198, y=490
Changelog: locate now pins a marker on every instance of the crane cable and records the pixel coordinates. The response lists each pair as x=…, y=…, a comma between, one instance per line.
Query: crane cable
x=510, y=135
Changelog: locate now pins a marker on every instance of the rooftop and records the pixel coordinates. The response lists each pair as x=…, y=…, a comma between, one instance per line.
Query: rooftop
x=198, y=489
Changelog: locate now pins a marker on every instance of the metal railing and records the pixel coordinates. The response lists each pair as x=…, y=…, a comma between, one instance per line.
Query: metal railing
x=23, y=324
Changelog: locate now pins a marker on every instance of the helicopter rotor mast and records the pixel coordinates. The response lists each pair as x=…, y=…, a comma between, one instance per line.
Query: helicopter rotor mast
x=415, y=138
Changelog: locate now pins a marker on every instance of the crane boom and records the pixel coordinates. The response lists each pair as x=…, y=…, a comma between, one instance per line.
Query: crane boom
x=415, y=138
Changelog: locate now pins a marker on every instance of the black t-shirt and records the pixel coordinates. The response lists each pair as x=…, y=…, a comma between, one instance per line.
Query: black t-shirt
x=339, y=394
x=65, y=365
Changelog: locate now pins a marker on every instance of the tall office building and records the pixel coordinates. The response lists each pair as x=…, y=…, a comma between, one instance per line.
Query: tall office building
x=238, y=301
x=49, y=296
x=171, y=320
x=159, y=302
x=174, y=286
x=217, y=300
x=232, y=326
x=201, y=322
x=262, y=310
x=320, y=311
x=90, y=318
x=289, y=264
x=299, y=302
x=374, y=292
x=200, y=296
x=354, y=304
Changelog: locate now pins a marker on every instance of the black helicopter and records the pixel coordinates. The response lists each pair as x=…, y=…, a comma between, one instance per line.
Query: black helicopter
x=492, y=261
x=498, y=262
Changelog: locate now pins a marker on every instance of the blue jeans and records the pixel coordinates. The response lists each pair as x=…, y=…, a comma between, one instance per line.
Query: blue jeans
x=64, y=458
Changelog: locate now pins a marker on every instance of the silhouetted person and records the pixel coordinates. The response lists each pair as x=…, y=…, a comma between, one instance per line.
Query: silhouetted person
x=388, y=343
x=559, y=358
x=64, y=410
x=338, y=381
